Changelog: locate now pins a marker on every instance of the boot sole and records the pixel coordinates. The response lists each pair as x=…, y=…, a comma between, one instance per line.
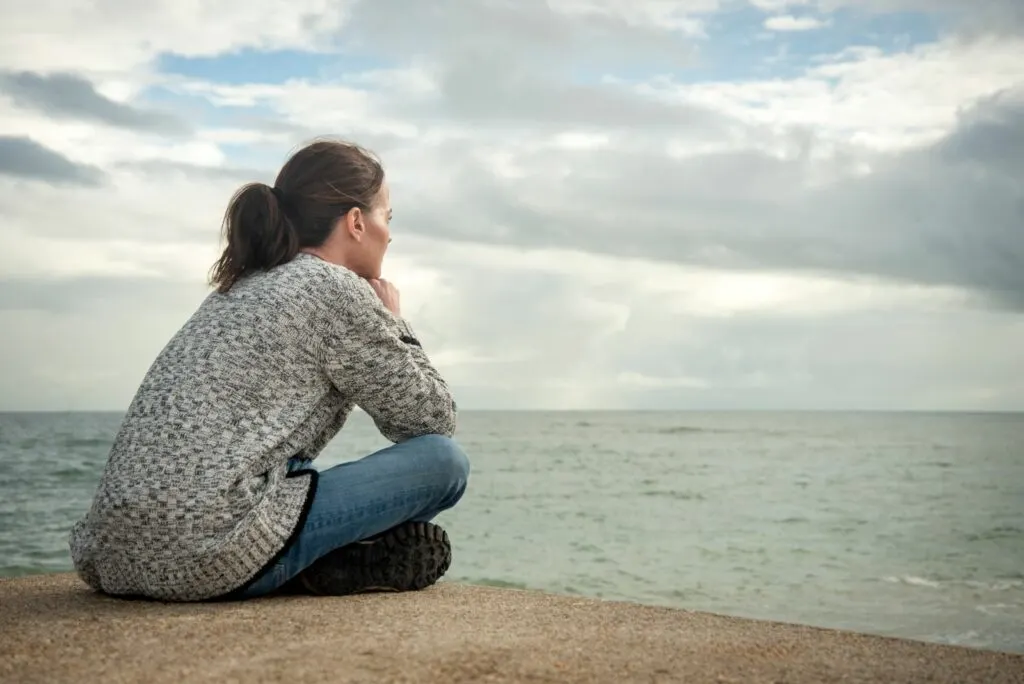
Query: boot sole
x=409, y=557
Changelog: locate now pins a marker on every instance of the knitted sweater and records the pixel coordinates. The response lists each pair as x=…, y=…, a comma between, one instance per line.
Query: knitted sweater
x=196, y=498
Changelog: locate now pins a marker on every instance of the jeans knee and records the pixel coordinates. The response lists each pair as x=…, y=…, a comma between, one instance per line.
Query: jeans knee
x=448, y=456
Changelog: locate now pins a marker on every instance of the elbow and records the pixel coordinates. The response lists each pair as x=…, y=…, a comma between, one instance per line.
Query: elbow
x=439, y=419
x=444, y=420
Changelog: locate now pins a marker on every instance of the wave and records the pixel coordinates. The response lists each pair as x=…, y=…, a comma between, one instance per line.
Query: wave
x=998, y=532
x=999, y=584
x=1000, y=609
x=682, y=430
x=673, y=494
x=71, y=472
x=915, y=581
x=88, y=443
x=695, y=429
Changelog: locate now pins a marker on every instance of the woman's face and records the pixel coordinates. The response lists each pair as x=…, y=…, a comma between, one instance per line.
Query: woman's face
x=370, y=236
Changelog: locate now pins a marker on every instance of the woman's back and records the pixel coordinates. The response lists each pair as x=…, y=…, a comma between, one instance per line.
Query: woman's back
x=244, y=372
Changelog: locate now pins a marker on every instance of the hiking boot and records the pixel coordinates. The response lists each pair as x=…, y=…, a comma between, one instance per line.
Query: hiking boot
x=408, y=557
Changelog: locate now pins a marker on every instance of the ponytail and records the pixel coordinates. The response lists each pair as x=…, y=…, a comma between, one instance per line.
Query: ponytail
x=259, y=235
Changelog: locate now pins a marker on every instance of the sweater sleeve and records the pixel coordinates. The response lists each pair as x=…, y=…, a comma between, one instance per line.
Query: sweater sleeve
x=374, y=357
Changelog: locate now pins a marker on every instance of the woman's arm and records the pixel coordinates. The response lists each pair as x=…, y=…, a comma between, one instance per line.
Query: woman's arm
x=373, y=356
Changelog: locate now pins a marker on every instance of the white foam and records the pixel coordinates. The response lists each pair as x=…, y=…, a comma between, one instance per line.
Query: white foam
x=999, y=609
x=914, y=581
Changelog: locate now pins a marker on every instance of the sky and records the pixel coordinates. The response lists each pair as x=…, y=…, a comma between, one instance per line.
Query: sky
x=598, y=204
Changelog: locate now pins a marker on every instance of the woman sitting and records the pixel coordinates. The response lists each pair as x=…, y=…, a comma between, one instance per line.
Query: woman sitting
x=209, y=489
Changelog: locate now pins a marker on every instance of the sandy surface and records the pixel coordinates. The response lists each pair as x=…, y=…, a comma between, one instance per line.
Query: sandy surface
x=53, y=629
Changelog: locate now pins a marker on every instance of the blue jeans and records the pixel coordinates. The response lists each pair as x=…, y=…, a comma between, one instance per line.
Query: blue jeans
x=414, y=480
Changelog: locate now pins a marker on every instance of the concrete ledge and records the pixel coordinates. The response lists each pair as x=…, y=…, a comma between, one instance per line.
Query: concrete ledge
x=53, y=629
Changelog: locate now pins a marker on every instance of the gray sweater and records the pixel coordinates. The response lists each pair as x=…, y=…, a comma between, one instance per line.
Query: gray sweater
x=195, y=499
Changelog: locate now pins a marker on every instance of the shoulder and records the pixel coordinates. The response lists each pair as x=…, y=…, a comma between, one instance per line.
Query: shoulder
x=343, y=287
x=340, y=293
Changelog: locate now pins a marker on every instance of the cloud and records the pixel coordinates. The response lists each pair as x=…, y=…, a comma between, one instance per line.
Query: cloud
x=556, y=329
x=84, y=343
x=67, y=96
x=477, y=91
x=990, y=136
x=778, y=5
x=788, y=22
x=123, y=38
x=595, y=33
x=161, y=170
x=976, y=18
x=789, y=197
x=921, y=216
x=866, y=96
x=473, y=67
x=597, y=204
x=22, y=157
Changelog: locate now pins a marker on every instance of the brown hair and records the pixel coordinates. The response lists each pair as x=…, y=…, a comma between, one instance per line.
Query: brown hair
x=266, y=226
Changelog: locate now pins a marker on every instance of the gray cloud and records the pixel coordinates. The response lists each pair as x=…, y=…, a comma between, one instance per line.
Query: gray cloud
x=23, y=157
x=92, y=295
x=990, y=135
x=949, y=214
x=877, y=360
x=526, y=32
x=67, y=96
x=483, y=87
x=525, y=64
x=84, y=343
x=164, y=169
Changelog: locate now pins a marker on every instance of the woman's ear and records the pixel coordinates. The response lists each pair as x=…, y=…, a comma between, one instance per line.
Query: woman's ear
x=354, y=224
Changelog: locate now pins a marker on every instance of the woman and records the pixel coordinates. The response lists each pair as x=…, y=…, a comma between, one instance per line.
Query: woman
x=208, y=491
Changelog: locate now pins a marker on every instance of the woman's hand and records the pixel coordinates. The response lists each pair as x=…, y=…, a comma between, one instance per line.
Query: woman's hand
x=388, y=294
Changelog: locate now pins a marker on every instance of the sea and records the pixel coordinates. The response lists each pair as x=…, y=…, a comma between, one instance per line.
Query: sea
x=899, y=524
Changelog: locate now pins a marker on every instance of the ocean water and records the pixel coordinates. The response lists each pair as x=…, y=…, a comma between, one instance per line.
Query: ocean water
x=899, y=524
